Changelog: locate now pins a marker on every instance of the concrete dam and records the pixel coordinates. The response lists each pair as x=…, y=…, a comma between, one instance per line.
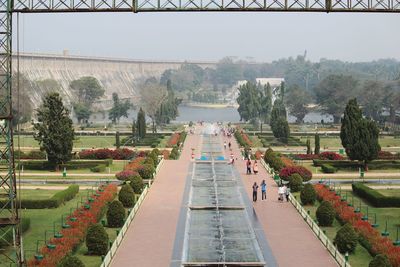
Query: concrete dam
x=115, y=75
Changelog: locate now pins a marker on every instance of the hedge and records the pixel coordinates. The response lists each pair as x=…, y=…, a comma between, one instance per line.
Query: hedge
x=327, y=168
x=7, y=238
x=71, y=165
x=347, y=164
x=374, y=197
x=55, y=201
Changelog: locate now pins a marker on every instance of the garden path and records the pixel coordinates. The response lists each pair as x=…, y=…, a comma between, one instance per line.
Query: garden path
x=151, y=235
x=290, y=238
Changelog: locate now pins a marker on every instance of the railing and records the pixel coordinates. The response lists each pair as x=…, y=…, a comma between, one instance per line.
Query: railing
x=340, y=259
x=117, y=242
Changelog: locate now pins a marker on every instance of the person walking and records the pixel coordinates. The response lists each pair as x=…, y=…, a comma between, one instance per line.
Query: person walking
x=224, y=144
x=281, y=192
x=255, y=187
x=229, y=145
x=248, y=164
x=287, y=192
x=255, y=167
x=263, y=190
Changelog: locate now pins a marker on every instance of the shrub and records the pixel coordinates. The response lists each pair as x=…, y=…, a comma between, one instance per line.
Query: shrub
x=149, y=161
x=305, y=174
x=174, y=153
x=325, y=214
x=387, y=155
x=273, y=160
x=380, y=261
x=98, y=168
x=374, y=197
x=126, y=196
x=115, y=214
x=330, y=156
x=346, y=239
x=71, y=261
x=146, y=171
x=125, y=175
x=296, y=182
x=327, y=168
x=308, y=194
x=173, y=140
x=136, y=182
x=97, y=240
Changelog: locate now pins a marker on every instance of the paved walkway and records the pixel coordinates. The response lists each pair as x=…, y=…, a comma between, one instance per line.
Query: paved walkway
x=290, y=238
x=150, y=238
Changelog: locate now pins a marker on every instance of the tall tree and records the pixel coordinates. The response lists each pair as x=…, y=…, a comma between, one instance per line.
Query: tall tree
x=54, y=130
x=279, y=124
x=266, y=103
x=88, y=90
x=359, y=135
x=134, y=129
x=297, y=101
x=308, y=145
x=169, y=107
x=333, y=92
x=372, y=99
x=82, y=112
x=317, y=144
x=22, y=102
x=152, y=95
x=119, y=109
x=141, y=123
x=249, y=102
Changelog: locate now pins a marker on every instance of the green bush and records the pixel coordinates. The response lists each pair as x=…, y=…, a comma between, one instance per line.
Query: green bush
x=296, y=182
x=115, y=214
x=71, y=165
x=347, y=164
x=136, y=182
x=70, y=261
x=325, y=214
x=273, y=159
x=380, y=260
x=174, y=153
x=97, y=240
x=327, y=168
x=308, y=194
x=346, y=239
x=7, y=233
x=126, y=196
x=149, y=161
x=146, y=171
x=55, y=201
x=374, y=197
x=98, y=168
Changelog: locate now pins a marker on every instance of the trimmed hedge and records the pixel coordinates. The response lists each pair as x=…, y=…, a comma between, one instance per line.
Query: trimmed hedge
x=136, y=182
x=308, y=194
x=97, y=240
x=71, y=261
x=115, y=214
x=375, y=198
x=55, y=201
x=126, y=196
x=346, y=239
x=296, y=182
x=327, y=168
x=380, y=260
x=71, y=165
x=325, y=214
x=347, y=164
x=7, y=238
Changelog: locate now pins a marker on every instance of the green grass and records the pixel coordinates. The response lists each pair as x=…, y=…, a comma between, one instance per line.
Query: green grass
x=37, y=193
x=390, y=192
x=335, y=142
x=43, y=219
x=360, y=257
x=80, y=142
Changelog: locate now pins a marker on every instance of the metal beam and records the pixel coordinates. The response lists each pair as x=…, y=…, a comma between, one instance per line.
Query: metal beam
x=368, y=6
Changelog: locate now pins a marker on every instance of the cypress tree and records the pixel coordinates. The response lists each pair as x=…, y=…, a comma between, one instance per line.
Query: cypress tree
x=279, y=124
x=308, y=144
x=117, y=141
x=134, y=130
x=317, y=144
x=141, y=123
x=359, y=135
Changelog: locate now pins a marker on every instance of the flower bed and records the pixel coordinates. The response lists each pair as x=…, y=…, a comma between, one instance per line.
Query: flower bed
x=370, y=238
x=71, y=237
x=173, y=140
x=288, y=162
x=105, y=153
x=135, y=164
x=305, y=156
x=387, y=155
x=323, y=156
x=286, y=172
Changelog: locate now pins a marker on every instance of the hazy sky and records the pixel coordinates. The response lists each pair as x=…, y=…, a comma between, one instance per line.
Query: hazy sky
x=211, y=36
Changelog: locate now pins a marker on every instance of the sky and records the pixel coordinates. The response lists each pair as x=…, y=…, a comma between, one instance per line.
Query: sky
x=261, y=36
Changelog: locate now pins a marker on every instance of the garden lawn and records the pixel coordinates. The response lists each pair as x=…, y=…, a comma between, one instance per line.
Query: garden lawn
x=360, y=257
x=43, y=219
x=37, y=193
x=80, y=142
x=335, y=142
x=391, y=215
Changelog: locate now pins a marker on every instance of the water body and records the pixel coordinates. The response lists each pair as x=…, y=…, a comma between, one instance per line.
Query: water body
x=187, y=114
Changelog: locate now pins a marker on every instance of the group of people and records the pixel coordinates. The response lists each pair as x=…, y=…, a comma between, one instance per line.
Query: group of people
x=249, y=167
x=283, y=191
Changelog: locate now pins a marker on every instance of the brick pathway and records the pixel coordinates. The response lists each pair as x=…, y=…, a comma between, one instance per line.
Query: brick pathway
x=150, y=238
x=291, y=240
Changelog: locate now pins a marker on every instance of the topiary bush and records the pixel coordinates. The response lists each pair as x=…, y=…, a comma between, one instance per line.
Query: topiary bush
x=325, y=214
x=346, y=239
x=115, y=214
x=126, y=196
x=296, y=183
x=380, y=260
x=327, y=168
x=149, y=161
x=70, y=261
x=125, y=175
x=146, y=171
x=97, y=240
x=308, y=194
x=136, y=182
